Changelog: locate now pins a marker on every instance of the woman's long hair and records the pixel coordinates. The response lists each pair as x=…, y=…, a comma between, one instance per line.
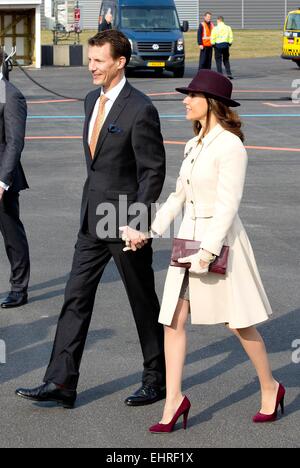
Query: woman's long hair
x=226, y=117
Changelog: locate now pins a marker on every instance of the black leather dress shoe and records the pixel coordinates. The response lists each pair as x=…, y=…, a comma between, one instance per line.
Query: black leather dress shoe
x=14, y=299
x=146, y=395
x=49, y=392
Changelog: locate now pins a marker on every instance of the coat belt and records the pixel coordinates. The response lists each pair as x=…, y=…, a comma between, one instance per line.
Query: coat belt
x=198, y=210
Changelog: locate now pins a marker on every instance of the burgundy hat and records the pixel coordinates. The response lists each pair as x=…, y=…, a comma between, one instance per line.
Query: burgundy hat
x=213, y=85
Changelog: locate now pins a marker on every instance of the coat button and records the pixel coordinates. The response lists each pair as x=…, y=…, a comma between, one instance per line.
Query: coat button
x=192, y=202
x=192, y=161
x=188, y=181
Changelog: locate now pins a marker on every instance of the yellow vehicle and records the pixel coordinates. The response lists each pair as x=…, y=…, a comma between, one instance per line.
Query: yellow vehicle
x=291, y=39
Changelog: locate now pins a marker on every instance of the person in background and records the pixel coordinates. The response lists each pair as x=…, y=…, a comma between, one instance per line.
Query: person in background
x=13, y=115
x=222, y=39
x=106, y=23
x=205, y=45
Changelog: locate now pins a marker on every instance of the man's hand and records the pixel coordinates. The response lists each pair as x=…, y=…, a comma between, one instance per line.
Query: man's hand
x=134, y=239
x=2, y=192
x=201, y=47
x=109, y=18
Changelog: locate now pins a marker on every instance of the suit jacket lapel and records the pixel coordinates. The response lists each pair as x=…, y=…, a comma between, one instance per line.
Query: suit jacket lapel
x=113, y=116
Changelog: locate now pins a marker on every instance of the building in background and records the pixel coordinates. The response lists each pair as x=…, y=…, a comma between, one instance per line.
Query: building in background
x=241, y=14
x=250, y=14
x=21, y=20
x=20, y=27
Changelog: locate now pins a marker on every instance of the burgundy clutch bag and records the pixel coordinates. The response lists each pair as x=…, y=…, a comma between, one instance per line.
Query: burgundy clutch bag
x=184, y=248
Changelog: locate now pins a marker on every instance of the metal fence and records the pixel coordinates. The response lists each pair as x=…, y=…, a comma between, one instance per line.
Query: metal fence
x=250, y=14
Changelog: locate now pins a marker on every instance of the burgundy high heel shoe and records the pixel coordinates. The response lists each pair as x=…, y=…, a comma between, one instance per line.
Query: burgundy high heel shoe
x=262, y=418
x=183, y=410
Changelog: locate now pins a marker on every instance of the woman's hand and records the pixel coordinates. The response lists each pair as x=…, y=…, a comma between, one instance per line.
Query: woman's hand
x=199, y=262
x=204, y=264
x=206, y=258
x=197, y=267
x=2, y=192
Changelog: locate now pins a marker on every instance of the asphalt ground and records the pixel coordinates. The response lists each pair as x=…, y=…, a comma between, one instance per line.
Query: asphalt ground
x=219, y=379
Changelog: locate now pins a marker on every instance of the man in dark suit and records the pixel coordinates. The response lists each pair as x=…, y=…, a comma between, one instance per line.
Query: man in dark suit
x=106, y=23
x=13, y=115
x=125, y=159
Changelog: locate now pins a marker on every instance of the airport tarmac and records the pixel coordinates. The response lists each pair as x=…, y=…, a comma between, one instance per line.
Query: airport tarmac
x=219, y=380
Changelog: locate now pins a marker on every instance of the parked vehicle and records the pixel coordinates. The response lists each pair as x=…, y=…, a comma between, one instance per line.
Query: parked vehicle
x=291, y=39
x=154, y=31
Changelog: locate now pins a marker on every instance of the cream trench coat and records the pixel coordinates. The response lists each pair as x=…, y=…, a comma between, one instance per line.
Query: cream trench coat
x=210, y=188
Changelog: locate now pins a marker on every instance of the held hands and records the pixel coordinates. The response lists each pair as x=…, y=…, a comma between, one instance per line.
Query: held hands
x=199, y=262
x=134, y=239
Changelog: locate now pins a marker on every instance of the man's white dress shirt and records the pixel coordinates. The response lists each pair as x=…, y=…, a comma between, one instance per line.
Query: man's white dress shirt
x=112, y=96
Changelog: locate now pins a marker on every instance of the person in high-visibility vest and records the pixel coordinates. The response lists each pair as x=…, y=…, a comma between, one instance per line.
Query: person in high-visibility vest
x=205, y=45
x=222, y=39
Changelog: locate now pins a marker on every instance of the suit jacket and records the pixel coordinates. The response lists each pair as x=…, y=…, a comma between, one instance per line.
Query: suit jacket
x=129, y=161
x=104, y=26
x=13, y=115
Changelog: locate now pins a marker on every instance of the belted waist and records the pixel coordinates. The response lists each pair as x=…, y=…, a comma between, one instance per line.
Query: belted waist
x=198, y=210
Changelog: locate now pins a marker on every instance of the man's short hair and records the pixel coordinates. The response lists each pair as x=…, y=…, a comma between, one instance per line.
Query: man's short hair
x=208, y=13
x=119, y=43
x=221, y=18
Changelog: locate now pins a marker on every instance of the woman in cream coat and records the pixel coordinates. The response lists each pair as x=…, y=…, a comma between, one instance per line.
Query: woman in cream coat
x=210, y=188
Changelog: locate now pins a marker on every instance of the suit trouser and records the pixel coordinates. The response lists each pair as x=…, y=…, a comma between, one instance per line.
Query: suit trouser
x=15, y=241
x=91, y=257
x=223, y=54
x=206, y=58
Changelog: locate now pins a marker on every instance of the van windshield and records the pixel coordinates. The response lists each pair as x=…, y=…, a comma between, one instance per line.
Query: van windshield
x=293, y=23
x=149, y=19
